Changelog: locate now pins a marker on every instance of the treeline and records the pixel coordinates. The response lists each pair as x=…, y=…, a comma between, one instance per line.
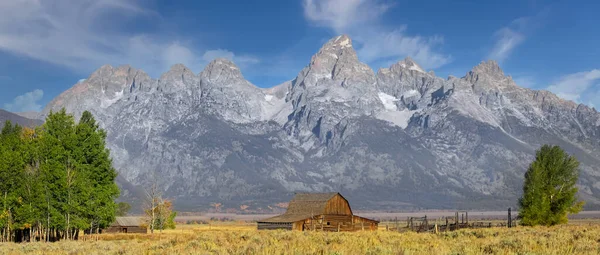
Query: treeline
x=55, y=180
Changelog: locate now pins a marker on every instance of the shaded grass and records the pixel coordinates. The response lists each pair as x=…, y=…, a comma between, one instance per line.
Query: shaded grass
x=232, y=239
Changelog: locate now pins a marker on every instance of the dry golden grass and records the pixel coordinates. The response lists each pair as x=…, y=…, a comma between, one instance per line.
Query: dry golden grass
x=245, y=239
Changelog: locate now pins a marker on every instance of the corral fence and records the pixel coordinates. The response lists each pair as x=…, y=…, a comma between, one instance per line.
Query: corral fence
x=460, y=220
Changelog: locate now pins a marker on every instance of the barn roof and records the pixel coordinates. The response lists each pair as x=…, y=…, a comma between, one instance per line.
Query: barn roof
x=127, y=222
x=304, y=206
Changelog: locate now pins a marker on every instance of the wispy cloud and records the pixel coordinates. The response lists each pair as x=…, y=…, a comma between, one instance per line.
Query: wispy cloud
x=361, y=19
x=580, y=87
x=76, y=34
x=514, y=34
x=28, y=102
x=507, y=39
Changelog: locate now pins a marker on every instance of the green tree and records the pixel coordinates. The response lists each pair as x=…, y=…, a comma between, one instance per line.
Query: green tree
x=11, y=174
x=62, y=183
x=55, y=179
x=549, y=190
x=122, y=209
x=93, y=159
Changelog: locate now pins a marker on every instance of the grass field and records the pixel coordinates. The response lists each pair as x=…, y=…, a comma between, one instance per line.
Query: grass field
x=243, y=238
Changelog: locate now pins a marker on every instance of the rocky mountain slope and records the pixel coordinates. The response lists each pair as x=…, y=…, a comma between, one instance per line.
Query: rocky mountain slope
x=401, y=138
x=18, y=119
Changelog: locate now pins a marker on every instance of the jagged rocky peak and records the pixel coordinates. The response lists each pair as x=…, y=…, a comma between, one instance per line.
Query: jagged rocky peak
x=410, y=64
x=177, y=71
x=178, y=68
x=221, y=70
x=178, y=77
x=337, y=61
x=488, y=74
x=108, y=71
x=488, y=67
x=338, y=43
x=104, y=70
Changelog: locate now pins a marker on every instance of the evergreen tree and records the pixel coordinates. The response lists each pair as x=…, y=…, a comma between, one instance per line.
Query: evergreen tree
x=94, y=160
x=31, y=191
x=58, y=173
x=550, y=188
x=11, y=174
x=55, y=180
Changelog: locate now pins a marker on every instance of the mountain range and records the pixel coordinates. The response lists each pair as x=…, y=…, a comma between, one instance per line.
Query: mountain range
x=398, y=139
x=25, y=119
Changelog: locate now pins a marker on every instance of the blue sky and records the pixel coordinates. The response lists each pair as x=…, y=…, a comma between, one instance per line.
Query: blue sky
x=46, y=46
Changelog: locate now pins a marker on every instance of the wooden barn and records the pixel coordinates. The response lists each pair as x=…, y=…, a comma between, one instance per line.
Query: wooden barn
x=319, y=211
x=126, y=225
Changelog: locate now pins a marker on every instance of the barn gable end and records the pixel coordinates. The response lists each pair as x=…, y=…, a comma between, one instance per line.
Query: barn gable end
x=323, y=211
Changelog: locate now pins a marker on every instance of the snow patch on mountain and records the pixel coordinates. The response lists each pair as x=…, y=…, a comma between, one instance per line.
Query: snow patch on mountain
x=411, y=93
x=388, y=101
x=107, y=102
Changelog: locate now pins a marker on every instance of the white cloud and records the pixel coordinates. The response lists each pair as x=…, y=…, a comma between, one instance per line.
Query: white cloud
x=79, y=35
x=507, y=40
x=361, y=20
x=514, y=34
x=343, y=14
x=28, y=102
x=580, y=87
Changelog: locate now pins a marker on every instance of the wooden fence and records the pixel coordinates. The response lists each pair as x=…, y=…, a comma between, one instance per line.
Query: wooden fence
x=459, y=221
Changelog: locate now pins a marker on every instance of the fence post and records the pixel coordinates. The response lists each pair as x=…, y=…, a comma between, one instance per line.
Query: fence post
x=447, y=226
x=456, y=222
x=509, y=218
x=322, y=221
x=467, y=218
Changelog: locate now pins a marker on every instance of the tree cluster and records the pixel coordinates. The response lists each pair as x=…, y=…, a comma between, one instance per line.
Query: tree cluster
x=55, y=179
x=549, y=191
x=159, y=211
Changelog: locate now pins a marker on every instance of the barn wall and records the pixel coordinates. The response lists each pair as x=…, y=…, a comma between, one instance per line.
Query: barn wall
x=298, y=225
x=137, y=230
x=367, y=224
x=337, y=205
x=269, y=225
x=330, y=223
x=116, y=229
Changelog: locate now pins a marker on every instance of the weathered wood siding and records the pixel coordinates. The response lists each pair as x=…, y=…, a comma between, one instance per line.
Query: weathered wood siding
x=116, y=229
x=271, y=226
x=338, y=205
x=340, y=223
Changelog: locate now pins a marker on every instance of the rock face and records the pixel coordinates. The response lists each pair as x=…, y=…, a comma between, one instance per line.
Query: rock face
x=398, y=139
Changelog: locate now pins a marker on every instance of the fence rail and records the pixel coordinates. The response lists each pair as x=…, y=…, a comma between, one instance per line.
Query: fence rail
x=459, y=221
